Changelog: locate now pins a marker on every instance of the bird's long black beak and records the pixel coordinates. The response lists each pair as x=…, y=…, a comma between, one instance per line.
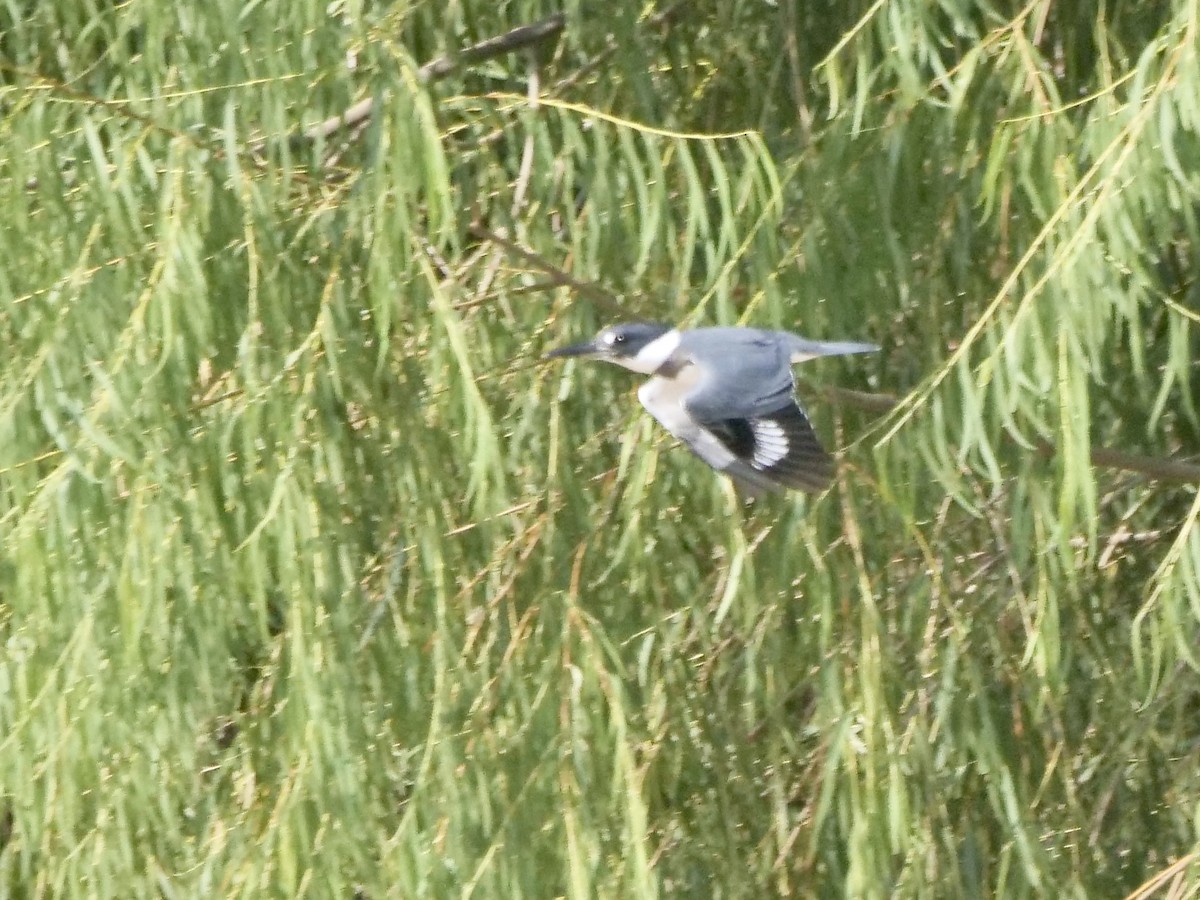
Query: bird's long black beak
x=587, y=348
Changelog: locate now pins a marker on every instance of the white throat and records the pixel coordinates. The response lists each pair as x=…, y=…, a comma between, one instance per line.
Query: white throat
x=651, y=357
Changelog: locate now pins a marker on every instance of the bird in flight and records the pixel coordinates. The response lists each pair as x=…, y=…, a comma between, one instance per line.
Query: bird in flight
x=729, y=395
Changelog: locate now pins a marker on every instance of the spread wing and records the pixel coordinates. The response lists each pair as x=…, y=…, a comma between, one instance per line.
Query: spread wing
x=759, y=437
x=779, y=446
x=663, y=399
x=763, y=427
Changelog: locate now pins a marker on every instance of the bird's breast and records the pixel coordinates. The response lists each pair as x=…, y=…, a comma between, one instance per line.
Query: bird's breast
x=663, y=398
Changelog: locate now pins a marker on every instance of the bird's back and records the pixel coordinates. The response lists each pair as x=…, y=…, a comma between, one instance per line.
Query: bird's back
x=722, y=342
x=725, y=340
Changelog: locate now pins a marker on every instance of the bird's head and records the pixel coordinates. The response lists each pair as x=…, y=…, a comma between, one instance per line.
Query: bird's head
x=640, y=346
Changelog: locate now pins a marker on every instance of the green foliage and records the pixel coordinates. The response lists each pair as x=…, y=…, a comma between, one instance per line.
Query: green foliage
x=316, y=581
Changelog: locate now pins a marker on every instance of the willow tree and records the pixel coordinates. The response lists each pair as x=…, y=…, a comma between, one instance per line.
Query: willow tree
x=316, y=580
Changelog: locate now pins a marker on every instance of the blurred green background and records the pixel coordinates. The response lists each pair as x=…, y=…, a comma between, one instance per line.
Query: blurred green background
x=316, y=581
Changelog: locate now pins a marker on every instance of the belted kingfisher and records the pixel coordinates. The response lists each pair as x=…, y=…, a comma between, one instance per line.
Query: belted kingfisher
x=729, y=395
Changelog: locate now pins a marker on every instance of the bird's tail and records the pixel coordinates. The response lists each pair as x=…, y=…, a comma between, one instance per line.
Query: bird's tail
x=803, y=349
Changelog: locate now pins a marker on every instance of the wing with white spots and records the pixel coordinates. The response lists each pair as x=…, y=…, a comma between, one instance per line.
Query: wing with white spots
x=779, y=446
x=662, y=399
x=735, y=407
x=751, y=410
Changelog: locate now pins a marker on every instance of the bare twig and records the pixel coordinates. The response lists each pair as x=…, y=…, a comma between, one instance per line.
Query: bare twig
x=534, y=288
x=586, y=69
x=358, y=113
x=1156, y=881
x=661, y=20
x=519, y=188
x=608, y=301
x=1155, y=467
x=876, y=403
x=797, y=67
x=526, y=171
x=517, y=39
x=667, y=16
x=521, y=37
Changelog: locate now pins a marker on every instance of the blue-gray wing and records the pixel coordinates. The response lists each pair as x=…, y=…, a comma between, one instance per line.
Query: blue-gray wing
x=779, y=446
x=746, y=400
x=743, y=373
x=662, y=398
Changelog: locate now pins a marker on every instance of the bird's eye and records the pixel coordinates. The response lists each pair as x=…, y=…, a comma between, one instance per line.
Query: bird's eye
x=618, y=338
